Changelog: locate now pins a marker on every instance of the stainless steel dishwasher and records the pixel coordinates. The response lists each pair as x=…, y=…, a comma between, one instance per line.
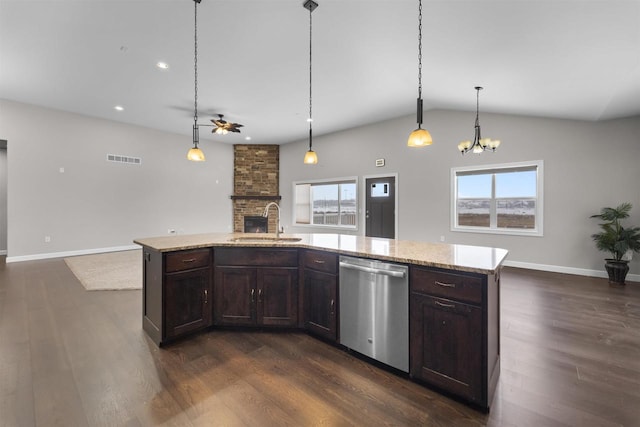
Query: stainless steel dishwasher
x=374, y=310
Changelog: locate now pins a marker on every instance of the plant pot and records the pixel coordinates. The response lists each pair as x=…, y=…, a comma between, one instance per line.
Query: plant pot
x=617, y=271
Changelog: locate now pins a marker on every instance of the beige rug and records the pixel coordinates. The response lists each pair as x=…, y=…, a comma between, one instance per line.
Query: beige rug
x=108, y=271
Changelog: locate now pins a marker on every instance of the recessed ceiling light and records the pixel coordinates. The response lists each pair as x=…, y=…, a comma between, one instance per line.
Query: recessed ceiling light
x=247, y=138
x=162, y=65
x=118, y=108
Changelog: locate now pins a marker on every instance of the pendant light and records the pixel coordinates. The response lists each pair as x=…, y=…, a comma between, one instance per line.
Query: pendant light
x=419, y=137
x=195, y=154
x=310, y=158
x=479, y=143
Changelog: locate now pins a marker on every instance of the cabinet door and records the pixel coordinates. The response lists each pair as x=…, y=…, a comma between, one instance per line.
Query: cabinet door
x=446, y=345
x=187, y=302
x=277, y=296
x=235, y=296
x=320, y=290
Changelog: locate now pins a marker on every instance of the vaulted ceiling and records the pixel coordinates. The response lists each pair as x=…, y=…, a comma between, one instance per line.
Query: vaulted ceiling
x=567, y=59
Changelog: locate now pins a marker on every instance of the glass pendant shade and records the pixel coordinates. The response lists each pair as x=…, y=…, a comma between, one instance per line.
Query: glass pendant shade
x=195, y=155
x=493, y=144
x=464, y=145
x=419, y=138
x=310, y=158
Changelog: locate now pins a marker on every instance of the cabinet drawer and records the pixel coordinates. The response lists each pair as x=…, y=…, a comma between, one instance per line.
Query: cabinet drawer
x=448, y=285
x=257, y=257
x=320, y=261
x=186, y=260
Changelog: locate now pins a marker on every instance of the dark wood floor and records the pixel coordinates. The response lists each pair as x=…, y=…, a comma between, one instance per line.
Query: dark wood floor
x=68, y=357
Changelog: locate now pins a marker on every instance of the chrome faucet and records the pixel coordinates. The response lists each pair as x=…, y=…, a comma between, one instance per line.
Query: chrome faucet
x=279, y=229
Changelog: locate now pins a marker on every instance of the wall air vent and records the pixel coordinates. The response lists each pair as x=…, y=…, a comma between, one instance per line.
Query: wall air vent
x=124, y=159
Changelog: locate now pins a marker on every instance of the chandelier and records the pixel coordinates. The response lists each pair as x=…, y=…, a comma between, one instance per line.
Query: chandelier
x=479, y=143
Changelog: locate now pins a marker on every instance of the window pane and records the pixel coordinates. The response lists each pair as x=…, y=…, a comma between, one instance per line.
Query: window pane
x=474, y=186
x=348, y=204
x=516, y=184
x=505, y=199
x=325, y=204
x=328, y=203
x=514, y=213
x=303, y=203
x=474, y=212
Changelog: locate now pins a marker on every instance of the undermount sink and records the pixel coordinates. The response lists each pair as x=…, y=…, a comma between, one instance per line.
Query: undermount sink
x=265, y=239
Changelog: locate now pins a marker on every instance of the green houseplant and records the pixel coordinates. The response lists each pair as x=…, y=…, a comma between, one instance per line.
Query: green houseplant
x=617, y=240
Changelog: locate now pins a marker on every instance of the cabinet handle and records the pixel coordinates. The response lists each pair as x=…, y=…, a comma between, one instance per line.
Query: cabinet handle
x=318, y=261
x=259, y=295
x=333, y=304
x=187, y=261
x=441, y=304
x=445, y=285
x=206, y=296
x=253, y=296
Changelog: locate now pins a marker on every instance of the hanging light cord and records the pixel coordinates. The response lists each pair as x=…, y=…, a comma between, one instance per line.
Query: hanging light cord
x=310, y=75
x=195, y=63
x=420, y=49
x=478, y=88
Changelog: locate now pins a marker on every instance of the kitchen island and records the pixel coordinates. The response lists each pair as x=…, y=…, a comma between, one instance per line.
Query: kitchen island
x=198, y=282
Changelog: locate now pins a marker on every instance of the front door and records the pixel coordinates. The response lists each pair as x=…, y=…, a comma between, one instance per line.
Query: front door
x=380, y=212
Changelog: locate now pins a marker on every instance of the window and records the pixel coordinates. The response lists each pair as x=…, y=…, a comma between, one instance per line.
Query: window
x=503, y=199
x=330, y=203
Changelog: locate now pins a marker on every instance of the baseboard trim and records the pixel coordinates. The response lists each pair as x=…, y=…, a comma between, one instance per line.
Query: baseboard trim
x=70, y=253
x=3, y=252
x=566, y=270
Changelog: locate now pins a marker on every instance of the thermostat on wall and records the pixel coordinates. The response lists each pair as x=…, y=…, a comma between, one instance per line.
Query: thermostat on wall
x=379, y=162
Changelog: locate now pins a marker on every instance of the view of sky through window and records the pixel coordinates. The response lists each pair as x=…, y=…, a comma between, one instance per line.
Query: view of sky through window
x=508, y=184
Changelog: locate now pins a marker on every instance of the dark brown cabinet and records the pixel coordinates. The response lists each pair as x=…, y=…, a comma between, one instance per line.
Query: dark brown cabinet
x=454, y=332
x=235, y=296
x=177, y=293
x=446, y=344
x=189, y=309
x=256, y=286
x=320, y=290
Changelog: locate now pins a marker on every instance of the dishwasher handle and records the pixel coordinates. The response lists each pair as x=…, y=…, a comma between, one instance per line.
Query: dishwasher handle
x=383, y=272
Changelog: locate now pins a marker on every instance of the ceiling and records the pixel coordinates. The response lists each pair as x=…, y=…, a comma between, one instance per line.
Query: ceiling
x=561, y=58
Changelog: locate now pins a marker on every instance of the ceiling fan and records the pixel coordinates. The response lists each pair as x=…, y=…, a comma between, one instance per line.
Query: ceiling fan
x=222, y=127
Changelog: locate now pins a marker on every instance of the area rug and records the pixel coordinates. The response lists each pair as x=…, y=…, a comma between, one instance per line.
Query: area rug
x=108, y=271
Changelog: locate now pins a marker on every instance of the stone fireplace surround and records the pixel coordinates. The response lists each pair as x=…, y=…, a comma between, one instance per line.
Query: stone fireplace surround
x=256, y=182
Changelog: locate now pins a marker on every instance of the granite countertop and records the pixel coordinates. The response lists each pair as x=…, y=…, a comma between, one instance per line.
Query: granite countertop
x=476, y=259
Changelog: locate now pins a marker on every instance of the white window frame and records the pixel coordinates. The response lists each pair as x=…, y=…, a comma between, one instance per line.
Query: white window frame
x=505, y=167
x=330, y=181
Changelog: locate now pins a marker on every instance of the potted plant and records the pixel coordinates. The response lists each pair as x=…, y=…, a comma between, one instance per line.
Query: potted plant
x=616, y=240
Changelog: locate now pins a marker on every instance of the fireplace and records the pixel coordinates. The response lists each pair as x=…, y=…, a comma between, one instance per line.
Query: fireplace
x=256, y=224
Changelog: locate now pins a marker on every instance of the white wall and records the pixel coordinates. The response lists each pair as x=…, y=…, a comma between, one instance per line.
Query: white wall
x=95, y=204
x=587, y=165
